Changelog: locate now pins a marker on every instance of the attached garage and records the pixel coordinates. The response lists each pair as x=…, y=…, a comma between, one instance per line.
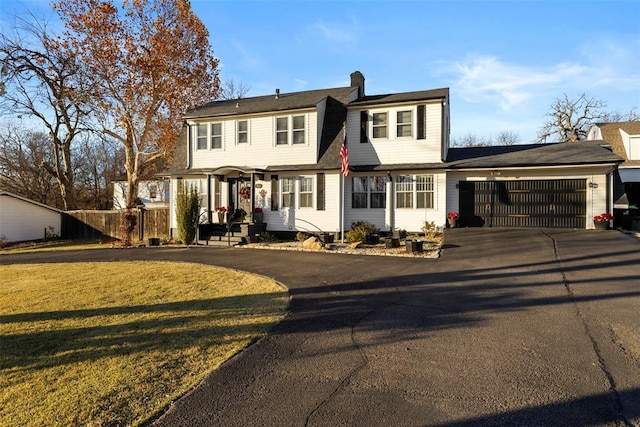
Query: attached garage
x=541, y=185
x=525, y=203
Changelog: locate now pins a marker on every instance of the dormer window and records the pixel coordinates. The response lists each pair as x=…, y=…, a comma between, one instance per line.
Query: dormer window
x=403, y=124
x=379, y=125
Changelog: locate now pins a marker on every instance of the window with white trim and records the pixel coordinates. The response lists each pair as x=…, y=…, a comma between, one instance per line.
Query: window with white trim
x=404, y=127
x=201, y=136
x=298, y=130
x=288, y=192
x=420, y=188
x=369, y=192
x=306, y=192
x=282, y=130
x=424, y=191
x=404, y=191
x=291, y=130
x=379, y=125
x=243, y=131
x=216, y=135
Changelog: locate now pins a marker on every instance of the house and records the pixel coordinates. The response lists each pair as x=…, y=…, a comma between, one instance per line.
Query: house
x=22, y=219
x=152, y=193
x=281, y=153
x=624, y=139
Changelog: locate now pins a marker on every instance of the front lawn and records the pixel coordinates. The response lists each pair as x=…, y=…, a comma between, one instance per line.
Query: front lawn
x=114, y=343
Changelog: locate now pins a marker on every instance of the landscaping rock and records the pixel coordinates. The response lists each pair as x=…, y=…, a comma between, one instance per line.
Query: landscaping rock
x=312, y=243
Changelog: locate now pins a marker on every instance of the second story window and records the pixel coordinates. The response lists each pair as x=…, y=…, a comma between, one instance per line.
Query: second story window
x=403, y=124
x=379, y=125
x=291, y=130
x=243, y=131
x=282, y=131
x=216, y=135
x=201, y=137
x=298, y=129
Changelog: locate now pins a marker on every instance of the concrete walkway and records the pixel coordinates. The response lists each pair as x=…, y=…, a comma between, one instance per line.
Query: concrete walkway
x=508, y=327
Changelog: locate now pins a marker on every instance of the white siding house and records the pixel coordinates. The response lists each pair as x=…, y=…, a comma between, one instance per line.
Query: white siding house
x=22, y=219
x=281, y=154
x=152, y=193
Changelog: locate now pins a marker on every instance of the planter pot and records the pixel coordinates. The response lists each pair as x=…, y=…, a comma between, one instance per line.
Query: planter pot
x=326, y=237
x=258, y=217
x=221, y=217
x=154, y=241
x=373, y=239
x=414, y=246
x=601, y=225
x=453, y=222
x=392, y=242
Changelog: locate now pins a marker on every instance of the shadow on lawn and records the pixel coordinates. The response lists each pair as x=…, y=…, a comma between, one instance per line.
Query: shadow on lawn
x=125, y=330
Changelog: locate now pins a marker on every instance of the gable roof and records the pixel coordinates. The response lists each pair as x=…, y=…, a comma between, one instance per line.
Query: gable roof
x=610, y=132
x=269, y=103
x=531, y=155
x=33, y=202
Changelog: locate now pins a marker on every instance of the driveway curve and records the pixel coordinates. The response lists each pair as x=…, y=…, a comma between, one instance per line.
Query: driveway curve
x=508, y=327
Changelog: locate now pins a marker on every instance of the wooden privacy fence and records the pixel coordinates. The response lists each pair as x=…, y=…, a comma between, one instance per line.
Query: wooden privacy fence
x=99, y=225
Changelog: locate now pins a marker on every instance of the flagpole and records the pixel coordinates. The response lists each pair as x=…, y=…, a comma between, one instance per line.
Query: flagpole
x=342, y=210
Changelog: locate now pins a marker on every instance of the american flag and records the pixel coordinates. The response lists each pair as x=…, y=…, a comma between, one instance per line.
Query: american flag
x=344, y=156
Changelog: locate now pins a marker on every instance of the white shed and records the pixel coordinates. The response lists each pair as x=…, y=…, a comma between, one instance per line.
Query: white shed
x=22, y=219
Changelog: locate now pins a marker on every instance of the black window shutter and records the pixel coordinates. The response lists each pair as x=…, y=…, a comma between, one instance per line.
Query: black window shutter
x=320, y=191
x=274, y=192
x=421, y=122
x=364, y=117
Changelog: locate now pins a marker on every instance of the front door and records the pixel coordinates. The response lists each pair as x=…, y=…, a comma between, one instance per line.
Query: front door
x=240, y=195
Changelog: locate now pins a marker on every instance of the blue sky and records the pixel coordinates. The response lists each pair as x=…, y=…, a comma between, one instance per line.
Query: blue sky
x=504, y=61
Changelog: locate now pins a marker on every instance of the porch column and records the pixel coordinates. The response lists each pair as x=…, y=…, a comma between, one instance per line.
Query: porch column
x=390, y=213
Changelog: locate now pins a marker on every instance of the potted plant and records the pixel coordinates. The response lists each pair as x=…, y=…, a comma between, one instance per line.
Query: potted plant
x=602, y=221
x=258, y=215
x=452, y=219
x=221, y=210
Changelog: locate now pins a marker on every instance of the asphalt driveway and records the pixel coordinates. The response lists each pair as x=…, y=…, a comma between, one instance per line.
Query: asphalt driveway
x=508, y=327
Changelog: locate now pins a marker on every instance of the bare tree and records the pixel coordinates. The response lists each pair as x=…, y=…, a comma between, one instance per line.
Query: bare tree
x=615, y=116
x=21, y=153
x=42, y=81
x=231, y=90
x=569, y=119
x=471, y=140
x=507, y=138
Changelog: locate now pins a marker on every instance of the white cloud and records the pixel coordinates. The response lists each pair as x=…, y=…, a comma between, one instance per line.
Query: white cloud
x=484, y=78
x=336, y=33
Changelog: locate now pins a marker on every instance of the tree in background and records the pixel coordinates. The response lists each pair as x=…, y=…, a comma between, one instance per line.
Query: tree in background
x=187, y=212
x=232, y=90
x=570, y=119
x=21, y=154
x=41, y=80
x=147, y=64
x=507, y=138
x=473, y=140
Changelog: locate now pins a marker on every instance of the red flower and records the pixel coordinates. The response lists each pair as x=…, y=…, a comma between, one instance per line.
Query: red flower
x=258, y=210
x=603, y=217
x=453, y=215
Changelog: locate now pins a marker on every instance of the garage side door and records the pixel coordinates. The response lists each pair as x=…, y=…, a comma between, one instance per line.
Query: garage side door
x=528, y=203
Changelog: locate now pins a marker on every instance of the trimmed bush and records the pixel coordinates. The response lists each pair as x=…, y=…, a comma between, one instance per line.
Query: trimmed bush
x=187, y=212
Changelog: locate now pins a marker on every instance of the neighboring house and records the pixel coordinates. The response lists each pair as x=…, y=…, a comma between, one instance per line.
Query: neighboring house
x=624, y=138
x=152, y=194
x=281, y=153
x=22, y=219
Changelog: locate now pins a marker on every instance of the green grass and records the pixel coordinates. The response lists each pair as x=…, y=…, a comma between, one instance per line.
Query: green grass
x=114, y=343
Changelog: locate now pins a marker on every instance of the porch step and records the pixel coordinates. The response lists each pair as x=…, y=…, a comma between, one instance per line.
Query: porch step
x=233, y=241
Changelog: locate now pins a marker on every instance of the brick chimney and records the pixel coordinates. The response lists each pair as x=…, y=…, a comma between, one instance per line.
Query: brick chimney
x=357, y=80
